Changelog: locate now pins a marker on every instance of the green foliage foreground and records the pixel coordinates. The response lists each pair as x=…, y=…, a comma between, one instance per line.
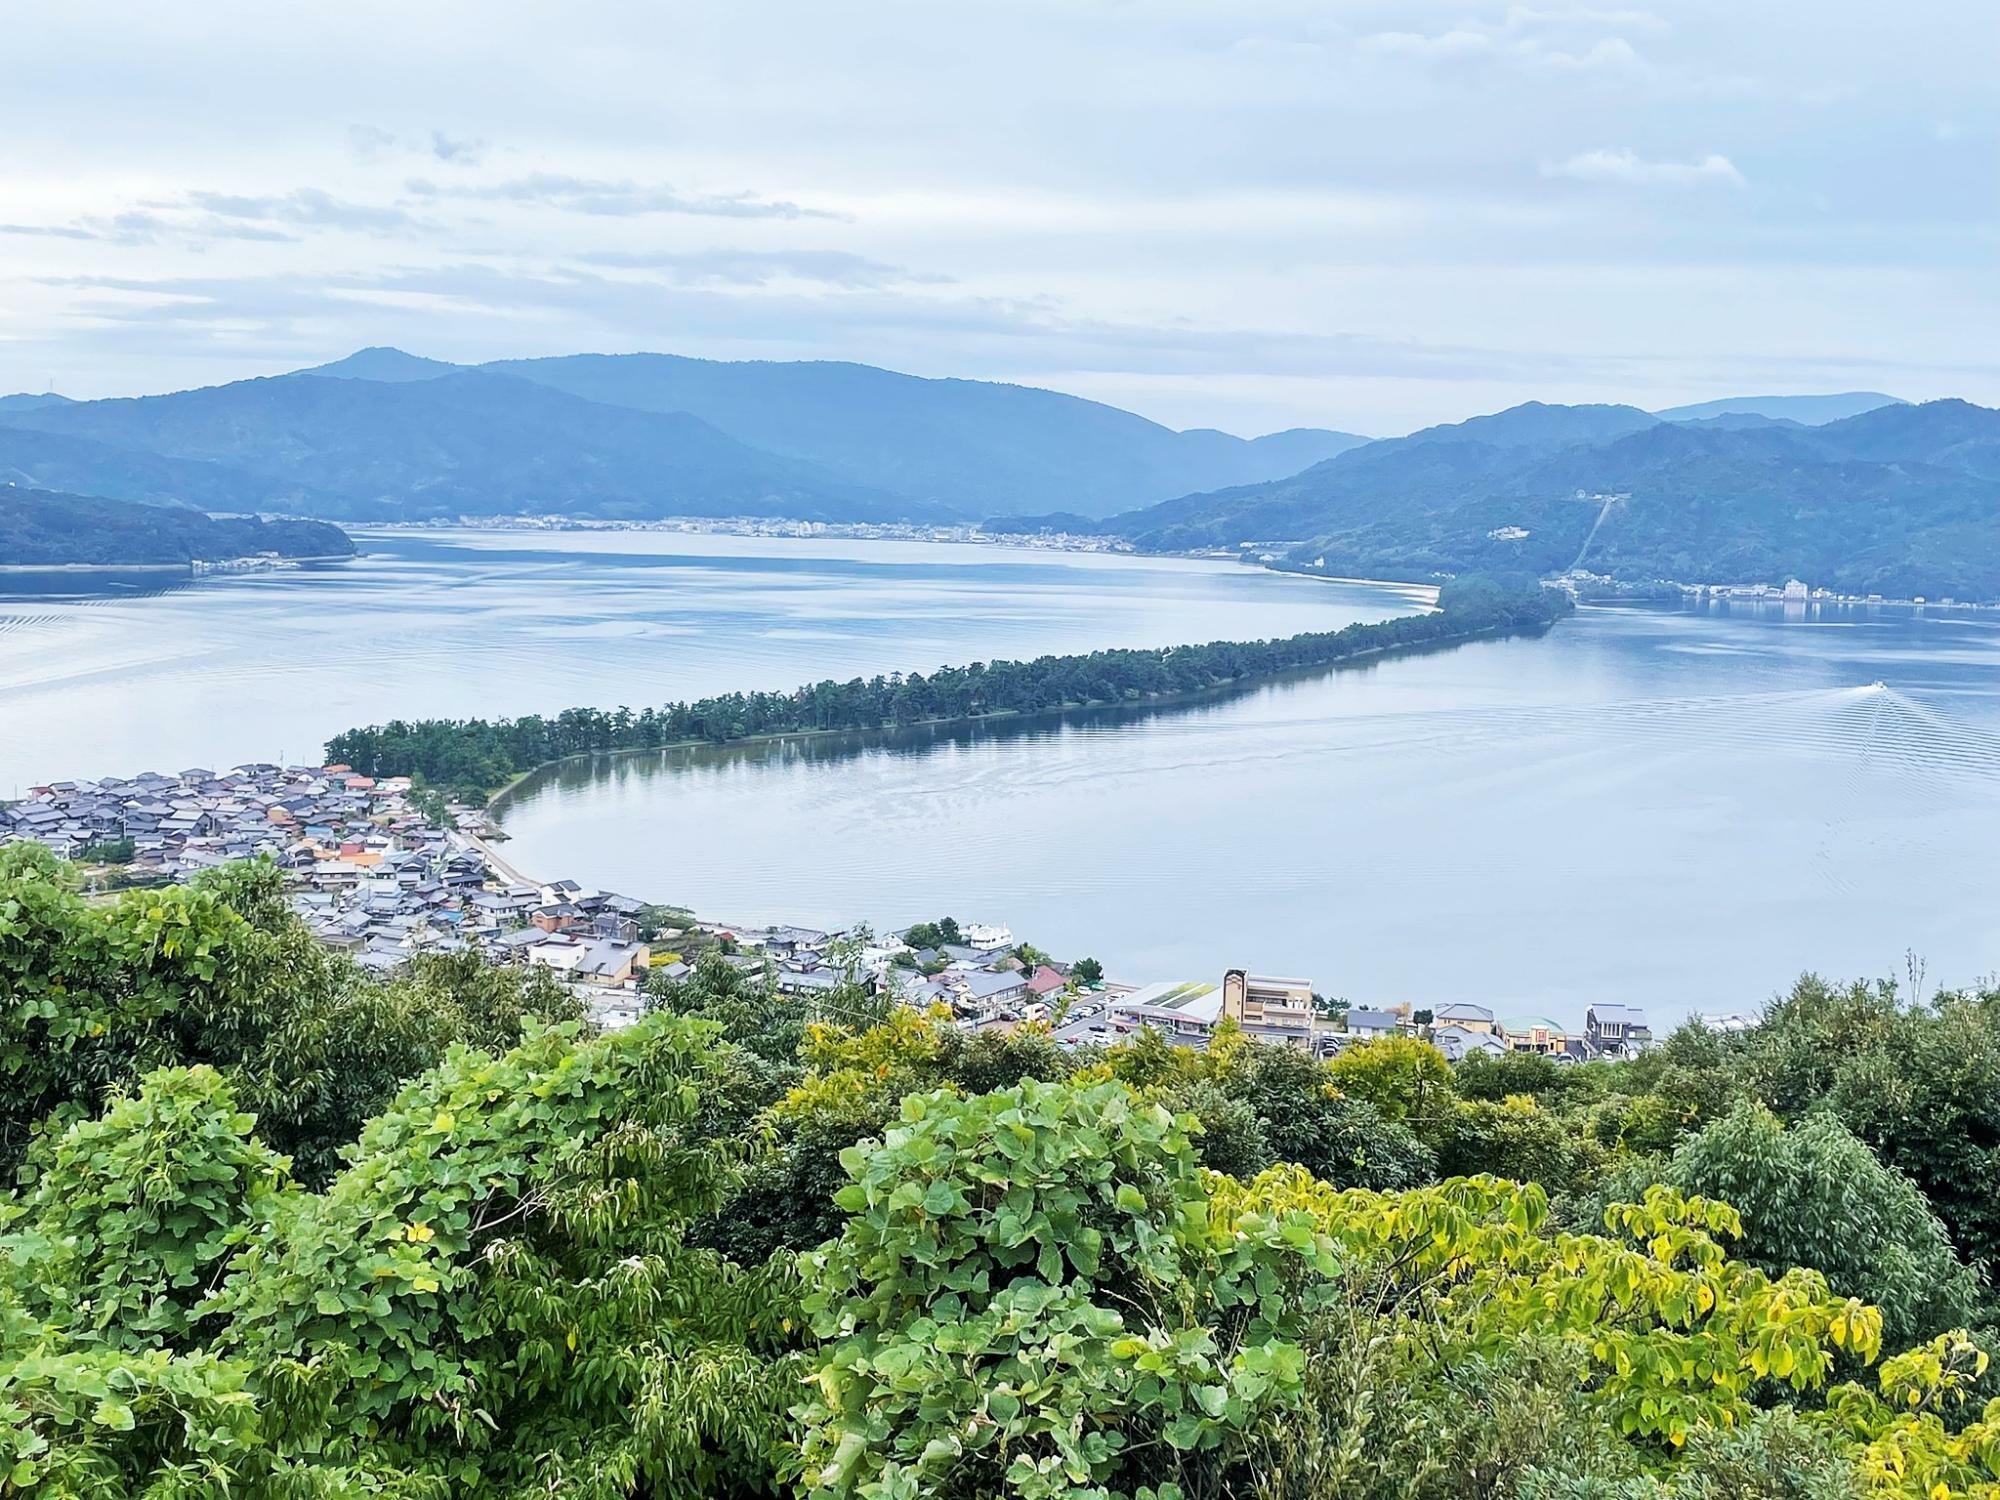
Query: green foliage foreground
x=724, y=1253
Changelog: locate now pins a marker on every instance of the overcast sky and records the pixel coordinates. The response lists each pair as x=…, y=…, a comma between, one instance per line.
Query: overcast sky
x=1248, y=214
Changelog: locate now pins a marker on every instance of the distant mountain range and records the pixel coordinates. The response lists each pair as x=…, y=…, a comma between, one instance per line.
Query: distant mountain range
x=78, y=465
x=1859, y=490
x=385, y=435
x=466, y=443
x=1900, y=500
x=1807, y=411
x=29, y=401
x=39, y=528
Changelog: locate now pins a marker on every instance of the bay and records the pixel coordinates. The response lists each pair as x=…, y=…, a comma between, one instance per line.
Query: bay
x=1680, y=809
x=120, y=673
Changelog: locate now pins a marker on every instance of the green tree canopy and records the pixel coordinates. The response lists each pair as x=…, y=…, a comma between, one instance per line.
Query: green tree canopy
x=1815, y=1195
x=132, y=1217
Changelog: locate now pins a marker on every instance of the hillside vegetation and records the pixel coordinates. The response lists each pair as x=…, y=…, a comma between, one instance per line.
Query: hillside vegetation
x=466, y=443
x=41, y=528
x=281, y=1230
x=1902, y=500
x=1856, y=492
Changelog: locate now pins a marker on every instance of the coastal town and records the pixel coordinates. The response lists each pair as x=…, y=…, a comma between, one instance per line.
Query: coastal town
x=387, y=872
x=1579, y=582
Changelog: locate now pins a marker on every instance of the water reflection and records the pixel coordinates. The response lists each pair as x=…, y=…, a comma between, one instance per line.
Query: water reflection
x=268, y=666
x=26, y=584
x=833, y=747
x=1679, y=808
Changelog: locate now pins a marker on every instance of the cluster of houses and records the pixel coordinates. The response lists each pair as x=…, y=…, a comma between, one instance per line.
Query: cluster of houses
x=365, y=870
x=1287, y=1012
x=183, y=824
x=982, y=979
x=371, y=874
x=1609, y=1031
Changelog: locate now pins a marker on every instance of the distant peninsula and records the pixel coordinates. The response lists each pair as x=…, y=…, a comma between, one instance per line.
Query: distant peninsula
x=48, y=529
x=472, y=758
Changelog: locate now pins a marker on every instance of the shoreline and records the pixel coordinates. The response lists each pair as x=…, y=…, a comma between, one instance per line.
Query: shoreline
x=191, y=567
x=970, y=535
x=153, y=567
x=495, y=804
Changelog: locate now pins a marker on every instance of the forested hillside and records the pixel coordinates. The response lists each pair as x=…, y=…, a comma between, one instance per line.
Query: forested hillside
x=976, y=444
x=82, y=466
x=1902, y=500
x=39, y=528
x=279, y=1230
x=466, y=443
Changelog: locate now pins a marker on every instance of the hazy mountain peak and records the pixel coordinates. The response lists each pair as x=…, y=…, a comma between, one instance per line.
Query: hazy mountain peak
x=32, y=401
x=1809, y=411
x=383, y=363
x=1535, y=424
x=1737, y=421
x=989, y=447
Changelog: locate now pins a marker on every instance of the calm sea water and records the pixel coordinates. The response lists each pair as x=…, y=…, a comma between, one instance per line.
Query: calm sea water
x=1677, y=809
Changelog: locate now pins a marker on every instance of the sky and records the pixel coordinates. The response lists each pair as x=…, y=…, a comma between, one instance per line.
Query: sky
x=1247, y=214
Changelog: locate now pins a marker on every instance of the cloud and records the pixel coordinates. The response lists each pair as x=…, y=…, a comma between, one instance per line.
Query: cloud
x=1613, y=53
x=1523, y=17
x=1626, y=166
x=1261, y=169
x=616, y=198
x=1470, y=43
x=836, y=268
x=472, y=311
x=1444, y=45
x=201, y=215
x=466, y=153
x=307, y=207
x=371, y=143
x=52, y=231
x=476, y=309
x=140, y=227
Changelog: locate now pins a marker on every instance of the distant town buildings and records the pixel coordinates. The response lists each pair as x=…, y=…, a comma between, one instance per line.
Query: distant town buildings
x=1366, y=1025
x=1615, y=1030
x=1534, y=1034
x=365, y=871
x=1286, y=1011
x=1184, y=1012
x=1458, y=1043
x=1465, y=1017
x=1270, y=1009
x=1053, y=541
x=1460, y=1029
